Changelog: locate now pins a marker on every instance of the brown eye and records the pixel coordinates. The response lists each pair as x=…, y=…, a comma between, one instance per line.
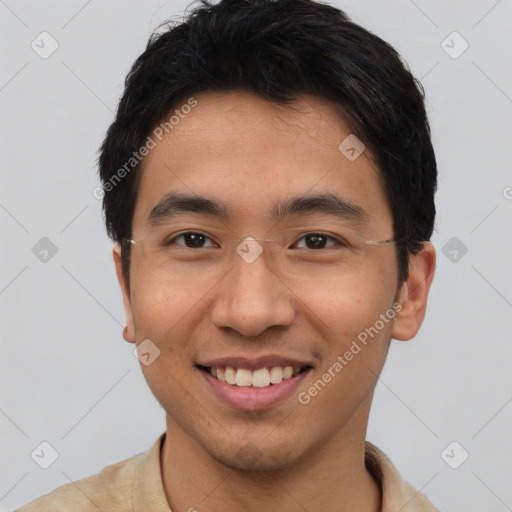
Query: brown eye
x=192, y=240
x=315, y=241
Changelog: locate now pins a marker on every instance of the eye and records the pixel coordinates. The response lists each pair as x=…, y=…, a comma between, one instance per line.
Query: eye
x=192, y=239
x=317, y=241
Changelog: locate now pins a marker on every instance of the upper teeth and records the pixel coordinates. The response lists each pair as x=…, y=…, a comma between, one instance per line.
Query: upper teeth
x=260, y=378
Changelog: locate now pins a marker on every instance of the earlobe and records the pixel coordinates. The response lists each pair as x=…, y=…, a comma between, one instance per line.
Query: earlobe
x=129, y=330
x=414, y=294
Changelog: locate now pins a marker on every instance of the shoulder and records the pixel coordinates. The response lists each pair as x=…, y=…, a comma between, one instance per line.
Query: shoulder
x=397, y=493
x=110, y=489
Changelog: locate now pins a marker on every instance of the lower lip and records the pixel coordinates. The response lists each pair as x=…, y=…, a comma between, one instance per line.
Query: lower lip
x=252, y=398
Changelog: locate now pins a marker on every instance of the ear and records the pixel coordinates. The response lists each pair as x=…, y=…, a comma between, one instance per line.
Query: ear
x=129, y=331
x=414, y=294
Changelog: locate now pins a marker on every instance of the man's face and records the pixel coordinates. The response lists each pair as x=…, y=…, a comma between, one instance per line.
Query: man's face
x=198, y=305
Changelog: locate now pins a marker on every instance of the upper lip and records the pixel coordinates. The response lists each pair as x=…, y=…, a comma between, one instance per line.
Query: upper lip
x=253, y=363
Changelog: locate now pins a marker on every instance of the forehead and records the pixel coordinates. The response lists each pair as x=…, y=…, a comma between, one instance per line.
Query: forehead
x=251, y=154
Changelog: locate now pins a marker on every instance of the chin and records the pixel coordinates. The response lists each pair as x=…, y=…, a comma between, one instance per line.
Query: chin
x=251, y=457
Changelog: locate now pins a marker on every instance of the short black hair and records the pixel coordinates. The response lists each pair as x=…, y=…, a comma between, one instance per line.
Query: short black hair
x=279, y=49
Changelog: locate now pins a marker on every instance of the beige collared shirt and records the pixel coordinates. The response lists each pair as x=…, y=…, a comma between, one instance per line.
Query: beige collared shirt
x=135, y=485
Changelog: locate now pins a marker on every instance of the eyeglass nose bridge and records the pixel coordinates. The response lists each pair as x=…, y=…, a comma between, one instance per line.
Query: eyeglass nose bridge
x=249, y=249
x=257, y=239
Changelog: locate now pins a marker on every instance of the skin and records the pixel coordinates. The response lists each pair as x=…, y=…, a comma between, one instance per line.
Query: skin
x=298, y=457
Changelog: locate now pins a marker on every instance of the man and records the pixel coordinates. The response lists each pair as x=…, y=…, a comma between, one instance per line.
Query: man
x=269, y=184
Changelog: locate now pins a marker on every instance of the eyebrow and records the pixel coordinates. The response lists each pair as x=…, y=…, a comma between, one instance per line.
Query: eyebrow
x=175, y=203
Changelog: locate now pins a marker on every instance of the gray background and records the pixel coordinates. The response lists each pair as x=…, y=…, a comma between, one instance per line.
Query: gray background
x=67, y=375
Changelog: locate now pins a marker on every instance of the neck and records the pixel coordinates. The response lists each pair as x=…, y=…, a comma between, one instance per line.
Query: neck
x=333, y=478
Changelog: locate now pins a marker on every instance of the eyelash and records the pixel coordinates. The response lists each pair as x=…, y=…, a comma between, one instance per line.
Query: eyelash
x=174, y=238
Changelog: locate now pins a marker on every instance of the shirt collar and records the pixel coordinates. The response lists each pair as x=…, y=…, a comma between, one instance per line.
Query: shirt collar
x=148, y=488
x=397, y=494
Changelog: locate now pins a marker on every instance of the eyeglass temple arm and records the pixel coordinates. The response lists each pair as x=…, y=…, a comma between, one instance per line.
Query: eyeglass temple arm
x=368, y=242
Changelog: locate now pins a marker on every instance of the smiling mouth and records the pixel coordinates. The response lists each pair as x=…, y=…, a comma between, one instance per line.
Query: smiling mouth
x=259, y=378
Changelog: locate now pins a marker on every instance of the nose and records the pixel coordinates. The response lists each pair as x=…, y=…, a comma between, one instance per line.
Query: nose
x=251, y=298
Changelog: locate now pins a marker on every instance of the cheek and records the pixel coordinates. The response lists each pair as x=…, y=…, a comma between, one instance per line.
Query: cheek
x=349, y=306
x=160, y=305
x=356, y=341
x=160, y=315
